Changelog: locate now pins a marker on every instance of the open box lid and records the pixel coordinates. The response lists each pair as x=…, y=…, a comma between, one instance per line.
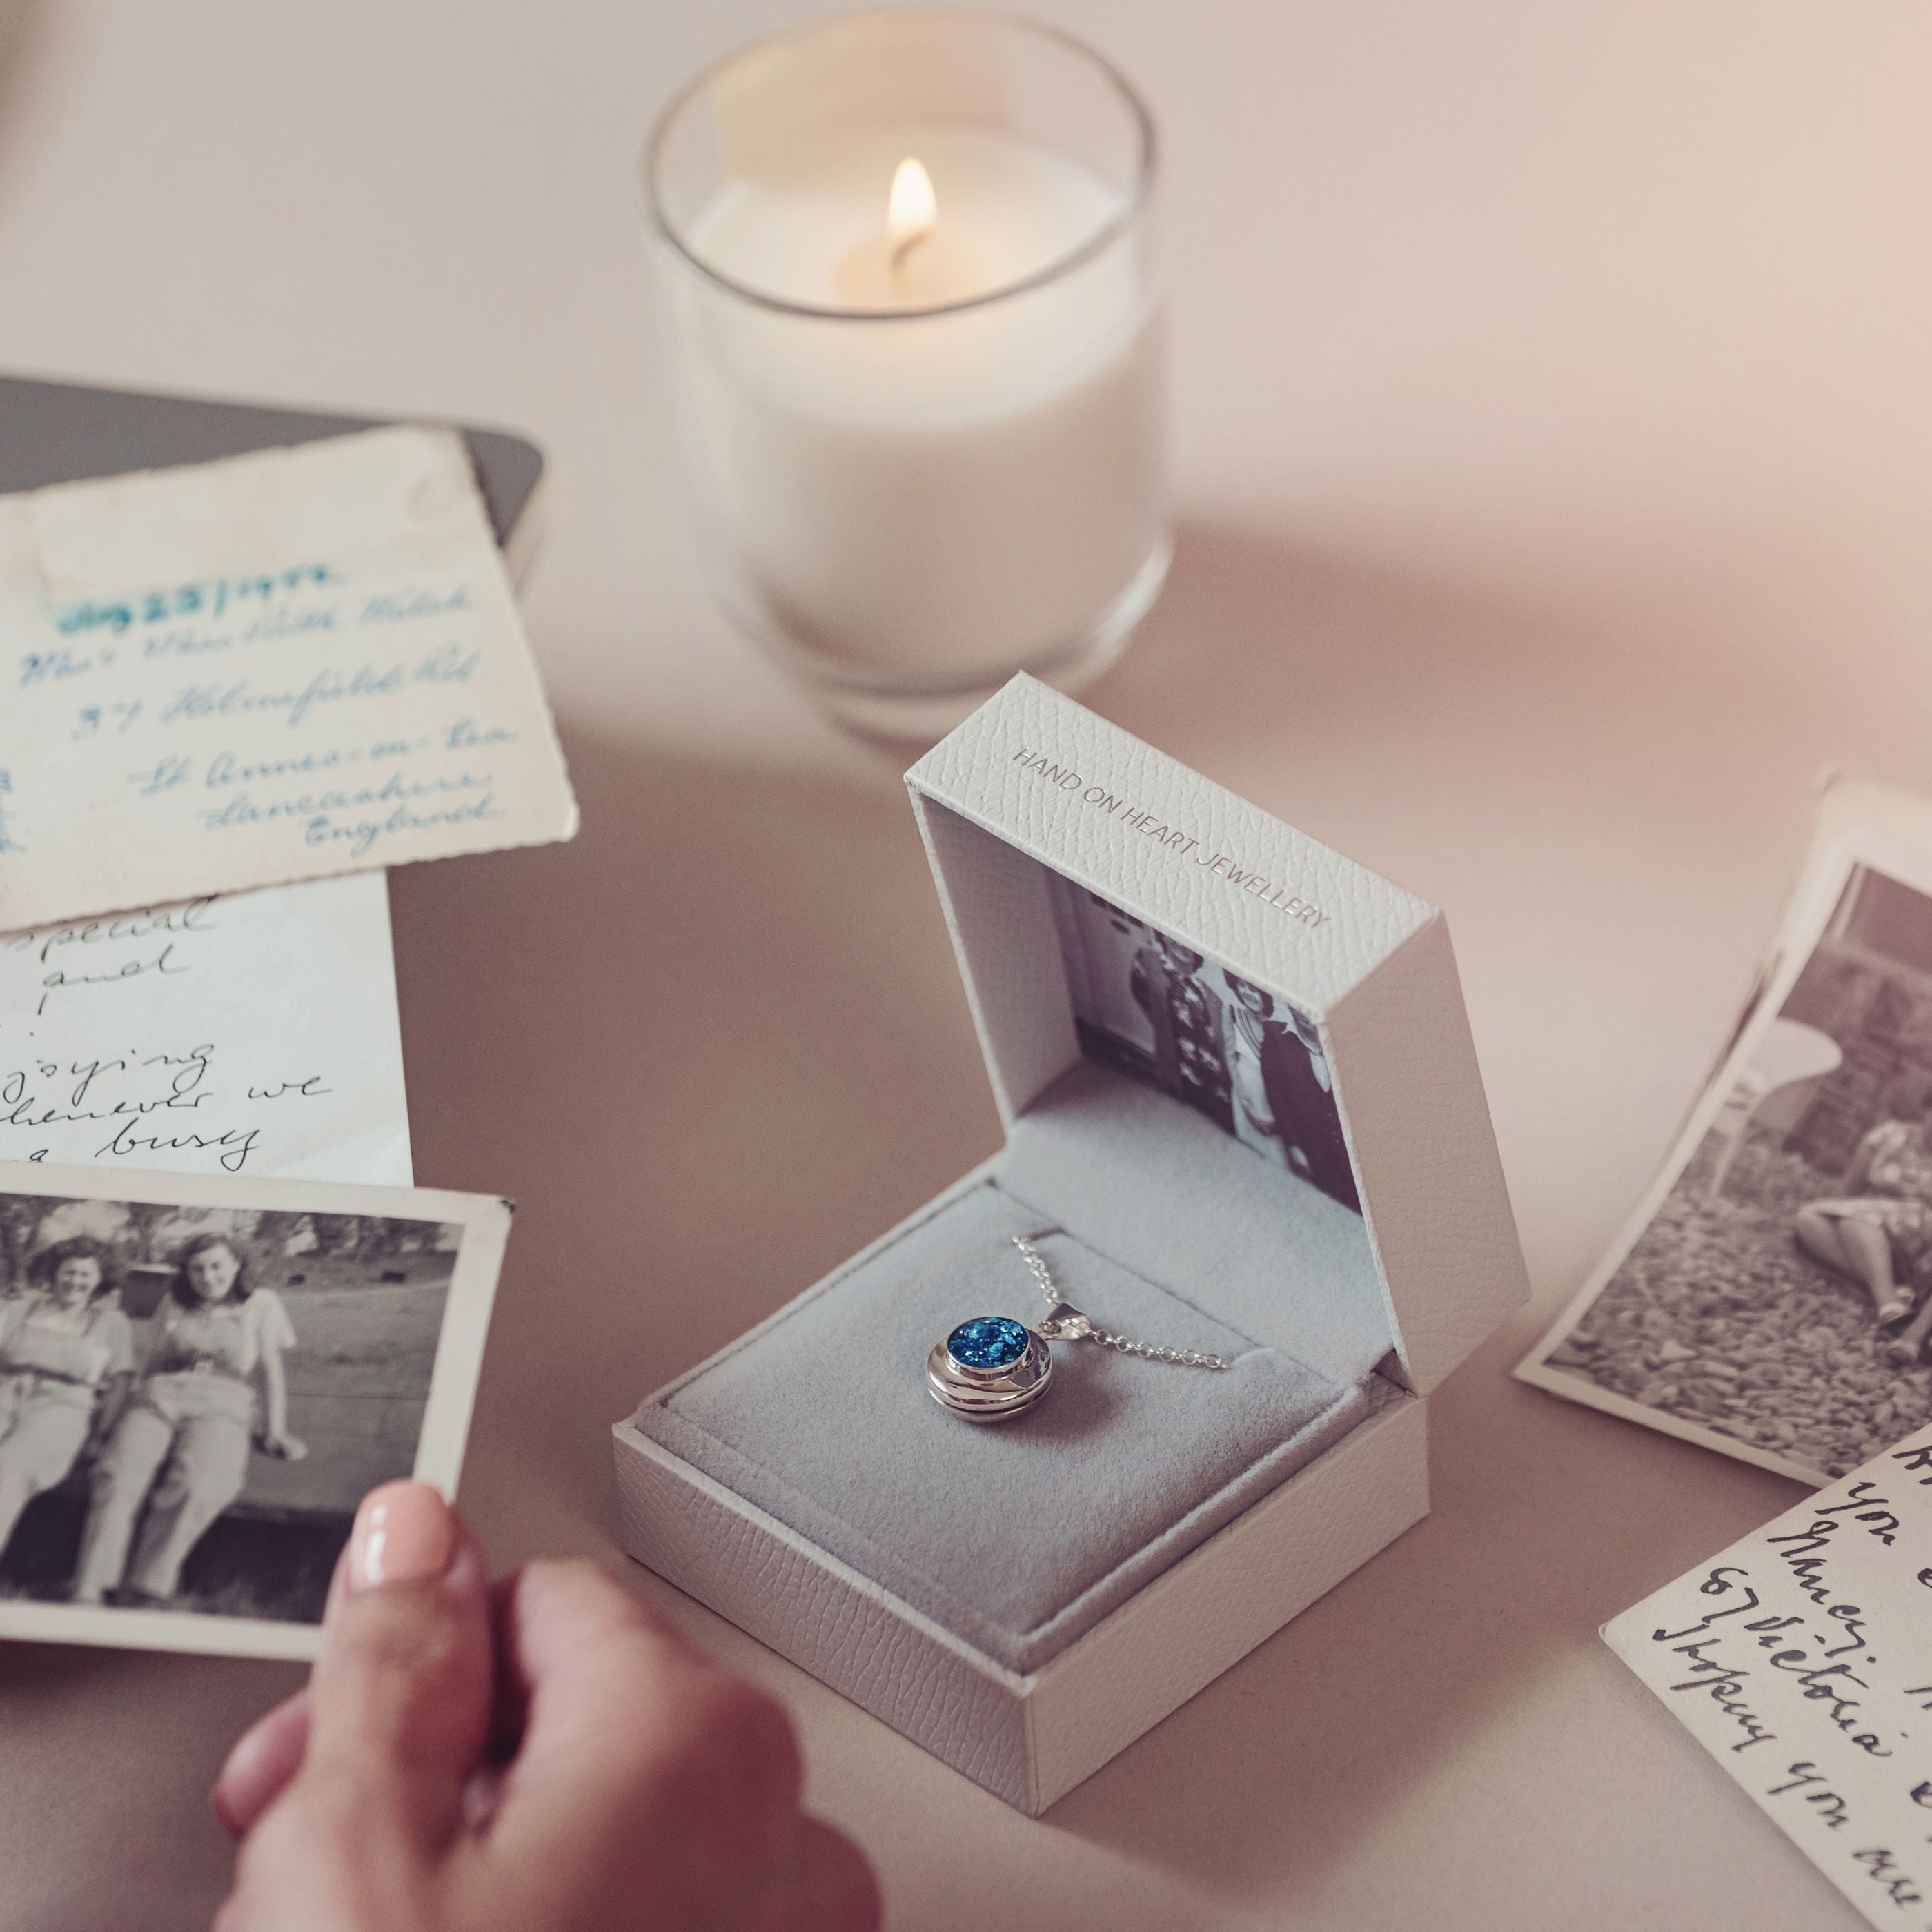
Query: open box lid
x=1039, y=816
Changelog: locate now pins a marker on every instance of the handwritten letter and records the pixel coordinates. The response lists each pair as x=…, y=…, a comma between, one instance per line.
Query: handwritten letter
x=276, y=667
x=1801, y=1659
x=254, y=1035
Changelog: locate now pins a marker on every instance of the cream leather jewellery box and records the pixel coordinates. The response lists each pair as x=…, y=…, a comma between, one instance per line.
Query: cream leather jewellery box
x=1126, y=1398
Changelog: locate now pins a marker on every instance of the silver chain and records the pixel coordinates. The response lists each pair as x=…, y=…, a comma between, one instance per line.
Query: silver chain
x=1082, y=1328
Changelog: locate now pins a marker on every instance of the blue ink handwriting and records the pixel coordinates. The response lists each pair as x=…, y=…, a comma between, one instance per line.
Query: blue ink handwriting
x=210, y=599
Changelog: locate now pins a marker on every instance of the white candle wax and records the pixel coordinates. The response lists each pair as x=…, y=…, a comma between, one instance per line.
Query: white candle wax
x=946, y=493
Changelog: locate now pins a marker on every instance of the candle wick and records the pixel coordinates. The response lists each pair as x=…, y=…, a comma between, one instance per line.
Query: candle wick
x=898, y=255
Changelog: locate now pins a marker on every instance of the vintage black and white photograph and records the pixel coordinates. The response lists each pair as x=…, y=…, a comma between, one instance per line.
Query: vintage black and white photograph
x=1776, y=1300
x=1158, y=1010
x=195, y=1392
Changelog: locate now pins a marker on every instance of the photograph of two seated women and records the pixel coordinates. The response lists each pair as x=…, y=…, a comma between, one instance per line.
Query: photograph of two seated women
x=193, y=1400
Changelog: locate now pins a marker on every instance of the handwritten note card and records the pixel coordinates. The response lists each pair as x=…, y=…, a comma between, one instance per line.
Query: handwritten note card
x=280, y=666
x=255, y=1034
x=1801, y=1659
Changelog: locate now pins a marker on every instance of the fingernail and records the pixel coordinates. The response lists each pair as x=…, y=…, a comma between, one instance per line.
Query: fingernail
x=218, y=1803
x=403, y=1535
x=239, y=1769
x=482, y=1799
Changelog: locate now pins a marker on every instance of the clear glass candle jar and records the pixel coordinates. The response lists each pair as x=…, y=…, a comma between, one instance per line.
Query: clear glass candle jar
x=915, y=338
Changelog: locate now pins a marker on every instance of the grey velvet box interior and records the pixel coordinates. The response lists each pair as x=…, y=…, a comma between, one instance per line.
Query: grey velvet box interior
x=1021, y=1537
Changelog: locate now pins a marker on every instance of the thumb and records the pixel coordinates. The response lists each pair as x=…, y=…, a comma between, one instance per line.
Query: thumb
x=403, y=1690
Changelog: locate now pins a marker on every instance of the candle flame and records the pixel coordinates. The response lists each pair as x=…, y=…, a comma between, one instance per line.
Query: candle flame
x=912, y=209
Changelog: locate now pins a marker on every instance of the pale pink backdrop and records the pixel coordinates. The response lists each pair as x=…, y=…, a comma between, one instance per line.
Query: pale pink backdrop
x=1555, y=450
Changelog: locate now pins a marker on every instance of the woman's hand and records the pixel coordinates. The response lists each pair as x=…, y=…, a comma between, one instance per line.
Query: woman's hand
x=283, y=1447
x=545, y=1755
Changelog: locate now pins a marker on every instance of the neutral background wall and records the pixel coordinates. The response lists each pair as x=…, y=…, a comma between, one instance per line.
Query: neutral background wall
x=1554, y=453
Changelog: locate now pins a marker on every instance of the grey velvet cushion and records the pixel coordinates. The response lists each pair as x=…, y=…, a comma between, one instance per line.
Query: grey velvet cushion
x=1017, y=1537
x=1151, y=1182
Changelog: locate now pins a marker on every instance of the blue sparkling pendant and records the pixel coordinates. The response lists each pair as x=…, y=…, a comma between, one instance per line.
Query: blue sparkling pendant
x=987, y=1342
x=989, y=1368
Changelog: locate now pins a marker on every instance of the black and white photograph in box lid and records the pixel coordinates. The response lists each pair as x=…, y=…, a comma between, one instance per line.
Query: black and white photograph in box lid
x=1152, y=1007
x=1773, y=1298
x=197, y=1388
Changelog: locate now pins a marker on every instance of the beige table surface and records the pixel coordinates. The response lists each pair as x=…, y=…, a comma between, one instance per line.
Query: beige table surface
x=1554, y=461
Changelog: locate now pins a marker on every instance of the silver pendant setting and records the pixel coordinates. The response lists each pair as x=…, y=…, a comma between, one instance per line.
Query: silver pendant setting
x=992, y=1368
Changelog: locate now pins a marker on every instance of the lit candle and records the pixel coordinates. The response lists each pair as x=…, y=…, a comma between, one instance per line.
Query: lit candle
x=919, y=358
x=912, y=212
